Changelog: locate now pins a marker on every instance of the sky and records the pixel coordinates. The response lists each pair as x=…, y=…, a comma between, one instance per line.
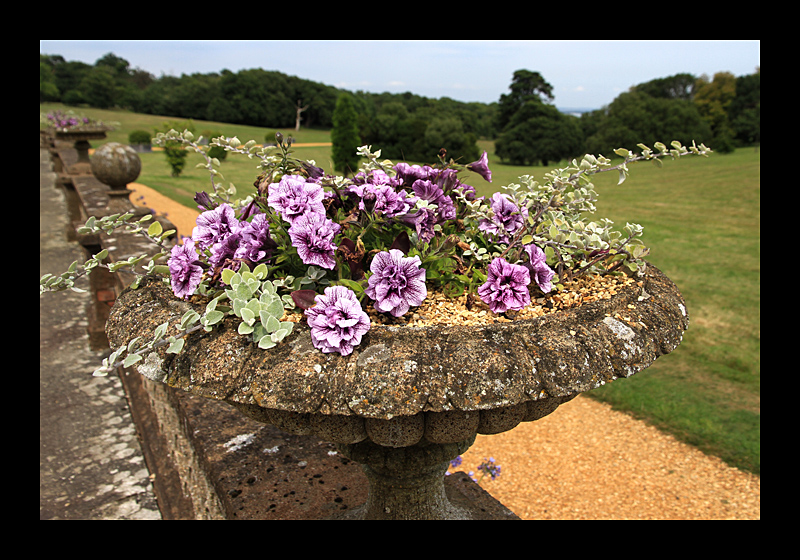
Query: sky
x=584, y=74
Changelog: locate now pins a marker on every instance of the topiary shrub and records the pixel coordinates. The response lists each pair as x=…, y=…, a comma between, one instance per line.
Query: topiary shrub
x=139, y=137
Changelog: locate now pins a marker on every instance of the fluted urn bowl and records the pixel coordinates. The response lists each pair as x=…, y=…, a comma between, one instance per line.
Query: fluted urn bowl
x=80, y=138
x=409, y=399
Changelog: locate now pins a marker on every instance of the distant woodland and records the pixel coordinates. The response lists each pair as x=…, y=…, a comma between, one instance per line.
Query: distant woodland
x=722, y=111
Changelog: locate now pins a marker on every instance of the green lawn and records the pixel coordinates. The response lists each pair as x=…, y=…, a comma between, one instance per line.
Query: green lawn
x=701, y=219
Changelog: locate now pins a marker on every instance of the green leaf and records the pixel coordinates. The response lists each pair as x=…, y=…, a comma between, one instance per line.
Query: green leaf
x=131, y=359
x=265, y=343
x=176, y=346
x=243, y=291
x=244, y=328
x=271, y=324
x=268, y=287
x=132, y=344
x=353, y=285
x=227, y=276
x=214, y=317
x=278, y=335
x=248, y=316
x=275, y=308
x=155, y=229
x=160, y=331
x=189, y=318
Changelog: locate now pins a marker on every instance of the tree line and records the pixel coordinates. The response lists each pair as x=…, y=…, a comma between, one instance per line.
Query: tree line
x=723, y=112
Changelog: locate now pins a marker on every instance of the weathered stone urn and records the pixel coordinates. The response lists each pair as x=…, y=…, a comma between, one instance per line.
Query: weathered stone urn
x=80, y=138
x=408, y=400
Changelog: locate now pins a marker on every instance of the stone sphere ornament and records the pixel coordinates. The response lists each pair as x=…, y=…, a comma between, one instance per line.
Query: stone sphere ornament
x=116, y=165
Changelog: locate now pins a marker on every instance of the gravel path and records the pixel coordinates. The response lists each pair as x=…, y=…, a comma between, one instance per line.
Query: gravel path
x=586, y=461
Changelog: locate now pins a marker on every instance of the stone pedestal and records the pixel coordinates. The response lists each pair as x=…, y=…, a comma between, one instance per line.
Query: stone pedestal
x=409, y=399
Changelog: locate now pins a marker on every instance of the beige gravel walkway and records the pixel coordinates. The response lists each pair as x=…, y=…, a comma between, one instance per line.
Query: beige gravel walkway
x=586, y=461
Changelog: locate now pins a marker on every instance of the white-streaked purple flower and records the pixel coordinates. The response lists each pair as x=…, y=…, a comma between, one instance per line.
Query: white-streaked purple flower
x=213, y=226
x=312, y=235
x=540, y=272
x=255, y=244
x=433, y=193
x=410, y=173
x=382, y=199
x=481, y=167
x=397, y=282
x=293, y=197
x=507, y=219
x=506, y=286
x=337, y=321
x=424, y=219
x=184, y=269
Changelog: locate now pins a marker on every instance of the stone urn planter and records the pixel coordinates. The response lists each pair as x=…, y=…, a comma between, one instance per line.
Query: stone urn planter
x=410, y=399
x=80, y=138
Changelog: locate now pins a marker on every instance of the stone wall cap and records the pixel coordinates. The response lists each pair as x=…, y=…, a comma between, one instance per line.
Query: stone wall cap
x=402, y=371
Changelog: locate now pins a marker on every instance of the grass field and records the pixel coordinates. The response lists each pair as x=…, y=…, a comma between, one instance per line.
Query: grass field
x=701, y=219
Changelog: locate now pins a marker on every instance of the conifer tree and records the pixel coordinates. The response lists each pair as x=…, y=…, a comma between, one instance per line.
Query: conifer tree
x=344, y=135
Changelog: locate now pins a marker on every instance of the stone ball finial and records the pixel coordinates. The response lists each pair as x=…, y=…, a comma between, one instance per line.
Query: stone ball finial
x=116, y=165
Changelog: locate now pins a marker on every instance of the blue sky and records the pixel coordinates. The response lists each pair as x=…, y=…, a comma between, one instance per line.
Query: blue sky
x=584, y=74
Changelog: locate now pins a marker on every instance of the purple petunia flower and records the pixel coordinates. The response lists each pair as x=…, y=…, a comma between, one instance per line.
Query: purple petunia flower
x=293, y=197
x=410, y=173
x=256, y=244
x=423, y=220
x=337, y=321
x=433, y=193
x=506, y=286
x=507, y=219
x=540, y=272
x=382, y=199
x=225, y=249
x=481, y=167
x=397, y=282
x=312, y=235
x=213, y=226
x=184, y=269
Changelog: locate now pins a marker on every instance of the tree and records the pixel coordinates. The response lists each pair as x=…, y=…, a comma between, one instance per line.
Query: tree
x=525, y=86
x=744, y=111
x=539, y=133
x=99, y=87
x=48, y=91
x=299, y=110
x=712, y=99
x=448, y=133
x=344, y=135
x=174, y=151
x=635, y=117
x=679, y=86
